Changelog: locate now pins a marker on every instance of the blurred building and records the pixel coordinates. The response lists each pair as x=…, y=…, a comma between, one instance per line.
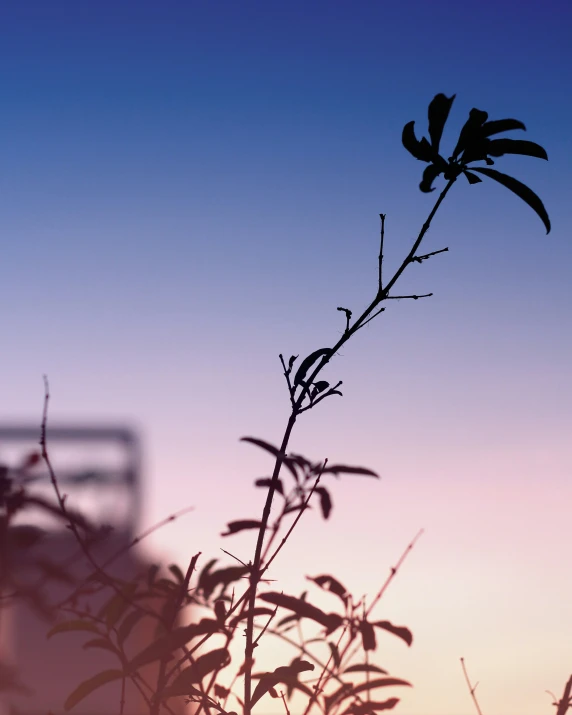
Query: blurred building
x=98, y=468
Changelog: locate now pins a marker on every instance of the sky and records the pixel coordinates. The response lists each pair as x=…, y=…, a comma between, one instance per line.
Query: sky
x=188, y=189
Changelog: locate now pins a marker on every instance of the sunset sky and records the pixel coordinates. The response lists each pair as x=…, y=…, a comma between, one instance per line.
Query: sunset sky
x=189, y=188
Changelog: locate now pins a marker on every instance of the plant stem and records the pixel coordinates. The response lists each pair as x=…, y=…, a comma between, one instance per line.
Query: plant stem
x=255, y=573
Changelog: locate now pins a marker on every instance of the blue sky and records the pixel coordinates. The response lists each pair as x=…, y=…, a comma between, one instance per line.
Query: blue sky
x=189, y=188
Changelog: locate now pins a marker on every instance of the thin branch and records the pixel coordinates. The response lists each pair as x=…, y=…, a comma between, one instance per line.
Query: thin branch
x=371, y=318
x=380, y=259
x=472, y=688
x=412, y=297
x=425, y=256
x=287, y=372
x=348, y=313
x=565, y=702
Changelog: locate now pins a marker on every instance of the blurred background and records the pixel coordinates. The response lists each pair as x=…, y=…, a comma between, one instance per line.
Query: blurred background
x=188, y=189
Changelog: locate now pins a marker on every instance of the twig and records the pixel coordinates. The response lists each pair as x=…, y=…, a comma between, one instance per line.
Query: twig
x=380, y=259
x=565, y=702
x=419, y=259
x=472, y=688
x=413, y=297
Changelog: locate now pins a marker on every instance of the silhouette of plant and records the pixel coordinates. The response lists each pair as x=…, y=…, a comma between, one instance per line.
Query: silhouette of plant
x=332, y=670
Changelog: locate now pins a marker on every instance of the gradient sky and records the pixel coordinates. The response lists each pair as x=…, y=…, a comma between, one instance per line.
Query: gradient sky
x=189, y=188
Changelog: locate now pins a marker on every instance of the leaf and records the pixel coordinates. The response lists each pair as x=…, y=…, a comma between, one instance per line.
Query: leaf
x=101, y=643
x=223, y=576
x=75, y=625
x=472, y=179
x=163, y=646
x=335, y=654
x=303, y=609
x=177, y=573
x=439, y=109
x=520, y=189
x=274, y=451
x=499, y=147
x=127, y=625
x=308, y=362
x=118, y=604
x=203, y=665
x=370, y=706
x=364, y=667
x=337, y=469
x=399, y=631
x=292, y=360
x=471, y=131
x=500, y=125
x=430, y=173
x=416, y=148
x=91, y=684
x=379, y=683
x=235, y=526
x=267, y=481
x=367, y=635
x=325, y=501
x=329, y=583
x=283, y=674
x=320, y=386
x=204, y=575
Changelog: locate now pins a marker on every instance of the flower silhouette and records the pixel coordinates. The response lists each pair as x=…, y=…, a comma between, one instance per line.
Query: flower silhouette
x=474, y=144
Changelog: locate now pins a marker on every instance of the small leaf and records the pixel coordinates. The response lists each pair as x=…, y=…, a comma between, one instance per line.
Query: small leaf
x=203, y=665
x=320, y=386
x=368, y=707
x=379, y=683
x=291, y=362
x=266, y=482
x=500, y=125
x=177, y=573
x=399, y=631
x=329, y=583
x=283, y=674
x=75, y=625
x=259, y=611
x=325, y=501
x=521, y=190
x=418, y=149
x=119, y=603
x=151, y=574
x=163, y=647
x=367, y=635
x=308, y=362
x=472, y=179
x=439, y=109
x=346, y=469
x=88, y=686
x=499, y=147
x=127, y=624
x=471, y=131
x=233, y=527
x=274, y=451
x=364, y=667
x=205, y=575
x=303, y=609
x=429, y=175
x=100, y=643
x=335, y=654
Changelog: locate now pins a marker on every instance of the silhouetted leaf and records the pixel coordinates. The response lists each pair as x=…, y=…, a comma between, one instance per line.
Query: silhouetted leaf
x=223, y=577
x=75, y=625
x=164, y=646
x=430, y=173
x=367, y=635
x=365, y=667
x=521, y=190
x=337, y=695
x=303, y=609
x=399, y=631
x=91, y=684
x=220, y=611
x=320, y=386
x=499, y=147
x=151, y=574
x=233, y=527
x=266, y=482
x=220, y=691
x=472, y=179
x=308, y=362
x=329, y=583
x=283, y=674
x=205, y=573
x=274, y=451
x=118, y=604
x=325, y=501
x=177, y=573
x=127, y=624
x=438, y=112
x=500, y=125
x=419, y=149
x=379, y=683
x=335, y=654
x=101, y=643
x=471, y=131
x=337, y=469
x=203, y=665
x=370, y=706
